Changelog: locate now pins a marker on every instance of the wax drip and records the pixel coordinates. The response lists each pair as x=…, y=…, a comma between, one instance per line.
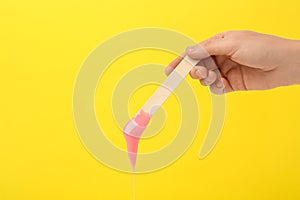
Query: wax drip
x=132, y=133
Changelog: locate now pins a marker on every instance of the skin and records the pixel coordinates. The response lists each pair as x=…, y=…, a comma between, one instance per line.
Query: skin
x=247, y=61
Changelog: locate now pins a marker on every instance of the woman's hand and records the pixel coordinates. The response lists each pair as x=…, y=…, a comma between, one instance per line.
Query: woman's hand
x=247, y=61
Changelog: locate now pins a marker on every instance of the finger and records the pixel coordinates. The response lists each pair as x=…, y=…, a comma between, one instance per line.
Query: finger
x=197, y=52
x=203, y=82
x=217, y=87
x=216, y=90
x=226, y=66
x=227, y=86
x=220, y=44
x=201, y=72
x=168, y=70
x=174, y=64
x=220, y=60
x=211, y=77
x=193, y=73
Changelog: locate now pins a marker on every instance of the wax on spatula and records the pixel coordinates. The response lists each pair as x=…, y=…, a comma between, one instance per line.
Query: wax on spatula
x=134, y=129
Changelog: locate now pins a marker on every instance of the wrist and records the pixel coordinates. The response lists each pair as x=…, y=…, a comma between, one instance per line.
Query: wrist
x=297, y=61
x=294, y=62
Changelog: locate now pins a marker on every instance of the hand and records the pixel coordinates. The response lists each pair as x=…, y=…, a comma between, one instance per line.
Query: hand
x=247, y=61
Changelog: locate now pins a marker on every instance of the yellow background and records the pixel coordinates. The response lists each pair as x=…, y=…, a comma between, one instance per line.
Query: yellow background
x=42, y=45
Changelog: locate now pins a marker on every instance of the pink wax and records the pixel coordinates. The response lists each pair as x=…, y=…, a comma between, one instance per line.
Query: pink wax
x=133, y=137
x=142, y=118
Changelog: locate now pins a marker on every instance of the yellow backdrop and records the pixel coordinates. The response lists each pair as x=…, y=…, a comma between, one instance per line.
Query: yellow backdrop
x=42, y=46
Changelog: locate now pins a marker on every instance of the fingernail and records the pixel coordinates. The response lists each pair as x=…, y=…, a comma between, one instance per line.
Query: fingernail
x=168, y=70
x=198, y=73
x=202, y=73
x=191, y=48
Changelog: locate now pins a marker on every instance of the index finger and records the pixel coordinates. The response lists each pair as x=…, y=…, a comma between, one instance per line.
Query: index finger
x=174, y=64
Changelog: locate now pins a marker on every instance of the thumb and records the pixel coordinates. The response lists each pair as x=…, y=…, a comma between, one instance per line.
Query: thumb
x=218, y=45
